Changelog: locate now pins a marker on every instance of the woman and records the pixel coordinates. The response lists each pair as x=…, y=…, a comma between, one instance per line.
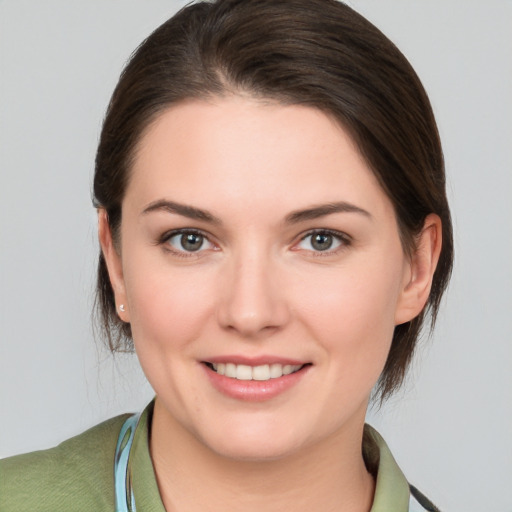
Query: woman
x=274, y=227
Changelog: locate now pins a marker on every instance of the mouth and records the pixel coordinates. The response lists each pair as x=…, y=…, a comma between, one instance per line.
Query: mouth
x=262, y=372
x=255, y=380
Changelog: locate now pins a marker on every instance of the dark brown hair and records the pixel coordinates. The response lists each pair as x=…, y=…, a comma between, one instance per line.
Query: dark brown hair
x=318, y=53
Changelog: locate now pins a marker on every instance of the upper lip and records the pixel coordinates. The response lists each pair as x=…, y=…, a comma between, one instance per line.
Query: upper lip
x=254, y=361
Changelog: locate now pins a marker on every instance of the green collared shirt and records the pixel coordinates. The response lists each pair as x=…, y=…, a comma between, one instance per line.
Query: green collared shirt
x=78, y=474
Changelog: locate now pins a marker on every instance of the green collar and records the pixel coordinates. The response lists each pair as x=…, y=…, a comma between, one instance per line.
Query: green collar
x=391, y=489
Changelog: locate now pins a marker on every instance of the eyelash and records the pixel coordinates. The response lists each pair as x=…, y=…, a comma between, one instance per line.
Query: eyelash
x=343, y=239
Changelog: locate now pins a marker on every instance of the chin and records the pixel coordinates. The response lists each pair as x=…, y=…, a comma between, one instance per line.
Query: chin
x=246, y=443
x=251, y=451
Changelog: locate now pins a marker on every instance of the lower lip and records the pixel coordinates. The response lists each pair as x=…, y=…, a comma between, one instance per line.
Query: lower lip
x=254, y=390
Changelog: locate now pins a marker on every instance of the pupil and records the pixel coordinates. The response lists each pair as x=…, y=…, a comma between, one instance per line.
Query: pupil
x=191, y=241
x=321, y=242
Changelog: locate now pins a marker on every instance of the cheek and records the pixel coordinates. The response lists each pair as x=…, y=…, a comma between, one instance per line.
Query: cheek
x=351, y=301
x=167, y=308
x=351, y=314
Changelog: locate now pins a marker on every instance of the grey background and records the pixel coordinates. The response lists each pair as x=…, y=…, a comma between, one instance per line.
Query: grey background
x=450, y=428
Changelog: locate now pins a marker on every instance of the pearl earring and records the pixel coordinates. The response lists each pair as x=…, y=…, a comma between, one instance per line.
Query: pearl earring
x=121, y=308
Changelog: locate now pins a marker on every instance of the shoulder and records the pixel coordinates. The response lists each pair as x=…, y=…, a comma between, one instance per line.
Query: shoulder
x=75, y=475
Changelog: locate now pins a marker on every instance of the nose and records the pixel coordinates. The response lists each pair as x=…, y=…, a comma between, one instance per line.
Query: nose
x=253, y=301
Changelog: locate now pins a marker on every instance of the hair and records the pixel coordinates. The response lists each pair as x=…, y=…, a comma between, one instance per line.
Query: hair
x=317, y=53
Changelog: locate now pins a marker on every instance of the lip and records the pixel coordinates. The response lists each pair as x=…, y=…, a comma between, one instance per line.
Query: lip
x=254, y=390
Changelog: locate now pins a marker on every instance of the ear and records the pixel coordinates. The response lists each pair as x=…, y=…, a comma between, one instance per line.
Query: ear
x=422, y=265
x=114, y=264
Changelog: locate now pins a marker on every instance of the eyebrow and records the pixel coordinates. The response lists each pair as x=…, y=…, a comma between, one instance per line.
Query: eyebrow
x=325, y=209
x=295, y=217
x=181, y=209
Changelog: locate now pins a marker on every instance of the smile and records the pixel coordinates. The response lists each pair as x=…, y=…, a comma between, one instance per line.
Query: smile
x=262, y=380
x=261, y=373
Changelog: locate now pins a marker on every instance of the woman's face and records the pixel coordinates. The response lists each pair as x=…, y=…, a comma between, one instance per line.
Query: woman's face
x=256, y=242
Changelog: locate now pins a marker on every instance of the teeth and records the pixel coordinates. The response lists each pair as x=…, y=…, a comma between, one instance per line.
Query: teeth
x=287, y=369
x=276, y=370
x=263, y=372
x=230, y=370
x=243, y=372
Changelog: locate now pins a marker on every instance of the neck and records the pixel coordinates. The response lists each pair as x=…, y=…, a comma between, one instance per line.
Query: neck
x=328, y=476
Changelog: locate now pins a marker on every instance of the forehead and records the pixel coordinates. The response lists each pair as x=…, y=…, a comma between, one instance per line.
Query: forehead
x=250, y=153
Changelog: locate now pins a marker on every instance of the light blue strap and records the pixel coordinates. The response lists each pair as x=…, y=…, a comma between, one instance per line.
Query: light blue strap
x=125, y=501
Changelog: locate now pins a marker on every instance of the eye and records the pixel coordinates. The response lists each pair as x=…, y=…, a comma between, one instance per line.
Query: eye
x=323, y=241
x=188, y=241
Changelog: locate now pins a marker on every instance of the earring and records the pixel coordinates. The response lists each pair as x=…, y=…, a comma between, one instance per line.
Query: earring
x=121, y=308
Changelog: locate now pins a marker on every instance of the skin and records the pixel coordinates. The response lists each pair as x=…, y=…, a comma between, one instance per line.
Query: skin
x=258, y=287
